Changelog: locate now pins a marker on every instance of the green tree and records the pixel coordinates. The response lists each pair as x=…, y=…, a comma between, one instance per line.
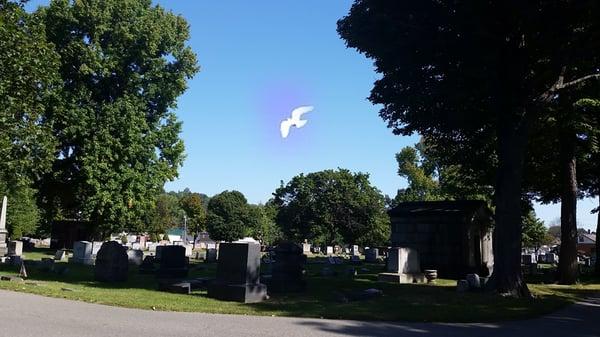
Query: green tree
x=264, y=218
x=432, y=175
x=165, y=214
x=535, y=234
x=123, y=63
x=29, y=84
x=456, y=70
x=228, y=216
x=195, y=211
x=332, y=207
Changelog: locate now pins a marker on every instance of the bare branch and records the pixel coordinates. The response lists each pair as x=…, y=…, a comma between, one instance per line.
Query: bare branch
x=560, y=85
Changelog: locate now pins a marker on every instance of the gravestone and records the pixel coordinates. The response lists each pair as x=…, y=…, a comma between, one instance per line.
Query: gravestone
x=96, y=245
x=60, y=255
x=551, y=258
x=528, y=259
x=211, y=255
x=135, y=256
x=159, y=251
x=288, y=269
x=354, y=250
x=3, y=231
x=403, y=266
x=111, y=263
x=147, y=266
x=136, y=246
x=371, y=255
x=15, y=248
x=329, y=250
x=82, y=253
x=306, y=248
x=188, y=250
x=238, y=274
x=173, y=262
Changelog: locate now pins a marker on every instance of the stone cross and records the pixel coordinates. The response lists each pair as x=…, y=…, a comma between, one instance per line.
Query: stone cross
x=3, y=214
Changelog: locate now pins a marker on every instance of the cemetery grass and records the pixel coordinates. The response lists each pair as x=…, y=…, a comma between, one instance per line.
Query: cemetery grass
x=421, y=303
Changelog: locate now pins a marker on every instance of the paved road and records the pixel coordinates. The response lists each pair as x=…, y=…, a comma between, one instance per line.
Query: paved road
x=24, y=315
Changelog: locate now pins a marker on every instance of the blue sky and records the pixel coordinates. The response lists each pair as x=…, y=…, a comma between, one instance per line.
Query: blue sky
x=261, y=59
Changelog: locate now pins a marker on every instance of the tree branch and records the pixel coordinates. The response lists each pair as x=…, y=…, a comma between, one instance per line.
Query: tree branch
x=560, y=85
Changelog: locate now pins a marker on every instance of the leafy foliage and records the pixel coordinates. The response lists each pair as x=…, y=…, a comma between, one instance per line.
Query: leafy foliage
x=28, y=85
x=471, y=72
x=332, y=207
x=123, y=63
x=228, y=217
x=535, y=234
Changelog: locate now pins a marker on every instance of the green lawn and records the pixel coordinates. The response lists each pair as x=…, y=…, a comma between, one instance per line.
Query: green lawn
x=421, y=302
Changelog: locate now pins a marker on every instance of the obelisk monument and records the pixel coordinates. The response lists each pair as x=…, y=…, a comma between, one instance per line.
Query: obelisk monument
x=3, y=231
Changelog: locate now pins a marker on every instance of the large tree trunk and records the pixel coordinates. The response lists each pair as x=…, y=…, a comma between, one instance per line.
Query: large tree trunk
x=567, y=264
x=507, y=278
x=598, y=241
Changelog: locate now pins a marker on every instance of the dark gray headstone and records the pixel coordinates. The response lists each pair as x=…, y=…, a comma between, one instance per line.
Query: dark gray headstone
x=288, y=269
x=111, y=263
x=173, y=262
x=371, y=255
x=238, y=274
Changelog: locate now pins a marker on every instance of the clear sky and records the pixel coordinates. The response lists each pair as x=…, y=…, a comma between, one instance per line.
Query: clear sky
x=261, y=59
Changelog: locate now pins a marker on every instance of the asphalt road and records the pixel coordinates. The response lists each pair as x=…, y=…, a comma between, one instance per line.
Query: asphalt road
x=24, y=315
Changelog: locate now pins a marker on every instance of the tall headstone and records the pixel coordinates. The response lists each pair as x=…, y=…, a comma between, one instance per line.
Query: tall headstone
x=238, y=274
x=288, y=269
x=3, y=231
x=403, y=266
x=82, y=253
x=173, y=262
x=354, y=250
x=111, y=263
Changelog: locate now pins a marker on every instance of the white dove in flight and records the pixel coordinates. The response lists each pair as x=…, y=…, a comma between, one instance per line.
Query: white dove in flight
x=295, y=120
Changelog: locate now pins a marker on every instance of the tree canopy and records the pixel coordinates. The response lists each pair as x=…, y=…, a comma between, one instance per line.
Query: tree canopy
x=229, y=216
x=332, y=207
x=123, y=63
x=29, y=84
x=457, y=72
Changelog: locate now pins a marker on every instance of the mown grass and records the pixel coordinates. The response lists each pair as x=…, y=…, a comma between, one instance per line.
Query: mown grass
x=407, y=302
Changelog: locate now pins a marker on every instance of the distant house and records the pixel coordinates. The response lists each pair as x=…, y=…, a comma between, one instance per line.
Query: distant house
x=586, y=243
x=453, y=237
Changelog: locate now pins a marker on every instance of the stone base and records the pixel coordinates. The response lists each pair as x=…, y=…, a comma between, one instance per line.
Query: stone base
x=281, y=286
x=401, y=277
x=87, y=262
x=172, y=272
x=244, y=293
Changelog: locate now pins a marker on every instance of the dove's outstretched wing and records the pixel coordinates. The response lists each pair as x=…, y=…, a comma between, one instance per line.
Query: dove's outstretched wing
x=284, y=127
x=299, y=111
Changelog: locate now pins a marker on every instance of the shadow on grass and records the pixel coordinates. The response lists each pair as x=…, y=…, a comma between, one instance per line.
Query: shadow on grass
x=578, y=320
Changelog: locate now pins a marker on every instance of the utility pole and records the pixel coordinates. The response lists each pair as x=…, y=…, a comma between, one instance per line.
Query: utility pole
x=185, y=229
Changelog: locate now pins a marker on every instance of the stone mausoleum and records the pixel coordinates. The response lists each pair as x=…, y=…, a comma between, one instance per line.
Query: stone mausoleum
x=453, y=237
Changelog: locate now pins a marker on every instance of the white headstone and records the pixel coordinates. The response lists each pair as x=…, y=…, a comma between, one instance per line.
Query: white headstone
x=403, y=260
x=96, y=245
x=15, y=248
x=329, y=250
x=3, y=214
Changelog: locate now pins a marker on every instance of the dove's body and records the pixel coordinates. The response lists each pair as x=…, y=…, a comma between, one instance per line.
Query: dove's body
x=295, y=120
